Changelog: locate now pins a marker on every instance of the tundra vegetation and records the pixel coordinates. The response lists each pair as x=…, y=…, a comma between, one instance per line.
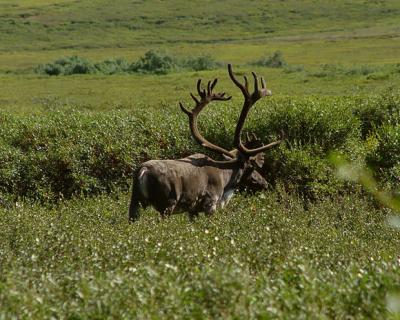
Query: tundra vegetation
x=313, y=245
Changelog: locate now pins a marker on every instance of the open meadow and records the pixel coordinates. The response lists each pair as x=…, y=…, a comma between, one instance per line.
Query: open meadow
x=90, y=89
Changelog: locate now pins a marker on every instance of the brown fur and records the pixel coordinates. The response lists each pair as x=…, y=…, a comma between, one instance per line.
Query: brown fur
x=194, y=184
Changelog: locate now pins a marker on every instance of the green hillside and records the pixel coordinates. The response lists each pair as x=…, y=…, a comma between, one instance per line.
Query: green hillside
x=310, y=35
x=53, y=25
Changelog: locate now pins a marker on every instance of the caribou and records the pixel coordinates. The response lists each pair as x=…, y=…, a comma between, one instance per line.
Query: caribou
x=199, y=183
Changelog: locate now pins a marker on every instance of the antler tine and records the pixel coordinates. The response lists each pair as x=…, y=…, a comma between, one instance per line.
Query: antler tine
x=184, y=109
x=251, y=137
x=246, y=84
x=249, y=101
x=235, y=81
x=209, y=88
x=255, y=82
x=214, y=83
x=194, y=98
x=206, y=96
x=263, y=83
x=252, y=152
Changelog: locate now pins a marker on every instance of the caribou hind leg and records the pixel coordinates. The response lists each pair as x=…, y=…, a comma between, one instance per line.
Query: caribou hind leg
x=136, y=198
x=134, y=206
x=210, y=204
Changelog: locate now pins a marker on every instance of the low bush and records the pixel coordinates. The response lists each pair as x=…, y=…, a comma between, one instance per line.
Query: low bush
x=312, y=128
x=293, y=68
x=378, y=76
x=327, y=71
x=67, y=66
x=112, y=66
x=68, y=153
x=204, y=62
x=360, y=70
x=380, y=124
x=50, y=69
x=386, y=154
x=276, y=60
x=377, y=111
x=71, y=153
x=369, y=72
x=78, y=65
x=154, y=62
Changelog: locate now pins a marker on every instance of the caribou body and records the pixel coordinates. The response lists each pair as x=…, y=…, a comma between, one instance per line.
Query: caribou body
x=198, y=183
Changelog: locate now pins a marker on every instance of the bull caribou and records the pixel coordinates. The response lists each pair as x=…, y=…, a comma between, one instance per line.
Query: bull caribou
x=199, y=183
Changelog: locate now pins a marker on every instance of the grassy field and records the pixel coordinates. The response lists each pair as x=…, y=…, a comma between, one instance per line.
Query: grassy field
x=336, y=33
x=312, y=247
x=265, y=257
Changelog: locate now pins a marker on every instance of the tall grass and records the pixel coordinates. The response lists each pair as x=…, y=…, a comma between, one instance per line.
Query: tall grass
x=263, y=257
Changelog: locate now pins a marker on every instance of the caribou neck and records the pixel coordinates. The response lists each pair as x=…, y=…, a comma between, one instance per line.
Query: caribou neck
x=233, y=173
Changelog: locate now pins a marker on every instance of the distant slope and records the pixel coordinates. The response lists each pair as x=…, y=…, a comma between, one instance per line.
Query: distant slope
x=65, y=24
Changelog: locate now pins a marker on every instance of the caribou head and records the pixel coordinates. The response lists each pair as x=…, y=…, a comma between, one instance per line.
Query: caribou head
x=198, y=183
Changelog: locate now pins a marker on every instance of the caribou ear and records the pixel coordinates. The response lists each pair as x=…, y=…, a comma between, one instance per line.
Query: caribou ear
x=258, y=160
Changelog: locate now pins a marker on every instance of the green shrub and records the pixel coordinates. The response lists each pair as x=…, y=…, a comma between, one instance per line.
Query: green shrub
x=378, y=76
x=75, y=65
x=396, y=68
x=376, y=111
x=325, y=123
x=369, y=71
x=67, y=66
x=156, y=62
x=204, y=62
x=302, y=172
x=67, y=153
x=328, y=70
x=360, y=70
x=293, y=68
x=386, y=154
x=112, y=66
x=312, y=127
x=276, y=60
x=51, y=69
x=78, y=65
x=153, y=61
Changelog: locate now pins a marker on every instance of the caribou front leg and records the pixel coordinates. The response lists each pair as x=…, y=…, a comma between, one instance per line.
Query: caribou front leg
x=169, y=209
x=210, y=203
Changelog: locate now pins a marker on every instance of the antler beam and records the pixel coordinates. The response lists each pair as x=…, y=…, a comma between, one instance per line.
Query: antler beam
x=206, y=96
x=249, y=100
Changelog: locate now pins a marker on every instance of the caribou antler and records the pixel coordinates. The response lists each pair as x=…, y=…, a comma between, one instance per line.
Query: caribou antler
x=249, y=100
x=205, y=98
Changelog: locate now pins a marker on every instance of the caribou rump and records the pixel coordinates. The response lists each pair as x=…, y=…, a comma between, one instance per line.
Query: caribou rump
x=199, y=183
